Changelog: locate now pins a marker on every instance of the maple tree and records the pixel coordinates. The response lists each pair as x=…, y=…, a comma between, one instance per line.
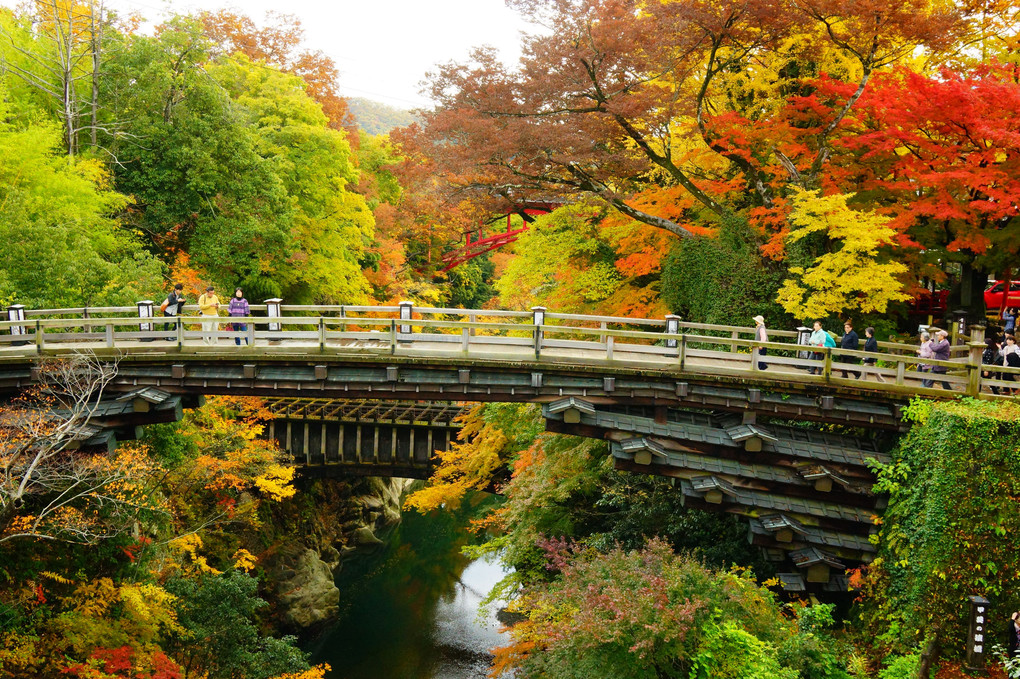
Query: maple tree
x=277, y=44
x=942, y=153
x=851, y=275
x=607, y=100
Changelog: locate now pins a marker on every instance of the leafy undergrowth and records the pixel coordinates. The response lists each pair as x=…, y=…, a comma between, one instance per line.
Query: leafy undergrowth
x=955, y=670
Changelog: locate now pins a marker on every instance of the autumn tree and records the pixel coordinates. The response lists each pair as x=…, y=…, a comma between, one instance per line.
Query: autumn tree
x=49, y=490
x=941, y=153
x=854, y=274
x=277, y=44
x=57, y=50
x=618, y=94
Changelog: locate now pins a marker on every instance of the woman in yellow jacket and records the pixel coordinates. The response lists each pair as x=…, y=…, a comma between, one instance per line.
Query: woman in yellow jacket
x=209, y=305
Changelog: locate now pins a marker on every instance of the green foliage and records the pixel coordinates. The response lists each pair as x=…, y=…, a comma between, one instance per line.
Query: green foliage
x=951, y=528
x=723, y=280
x=564, y=261
x=470, y=284
x=62, y=245
x=729, y=652
x=901, y=667
x=222, y=638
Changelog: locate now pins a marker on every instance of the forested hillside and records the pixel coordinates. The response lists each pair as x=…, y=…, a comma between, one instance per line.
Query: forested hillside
x=376, y=118
x=715, y=159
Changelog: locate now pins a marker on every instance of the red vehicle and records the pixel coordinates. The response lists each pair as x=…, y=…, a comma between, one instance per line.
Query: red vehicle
x=993, y=296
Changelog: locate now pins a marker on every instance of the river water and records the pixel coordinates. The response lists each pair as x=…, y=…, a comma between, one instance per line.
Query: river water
x=411, y=610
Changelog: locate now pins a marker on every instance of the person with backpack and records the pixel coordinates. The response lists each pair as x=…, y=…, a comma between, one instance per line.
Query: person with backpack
x=238, y=308
x=171, y=307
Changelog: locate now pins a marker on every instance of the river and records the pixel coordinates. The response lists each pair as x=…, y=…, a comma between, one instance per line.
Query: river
x=411, y=609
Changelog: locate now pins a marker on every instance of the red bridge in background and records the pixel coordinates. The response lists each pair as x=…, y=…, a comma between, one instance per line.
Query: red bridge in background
x=477, y=243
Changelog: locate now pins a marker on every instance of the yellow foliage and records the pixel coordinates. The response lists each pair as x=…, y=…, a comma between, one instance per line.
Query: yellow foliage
x=317, y=672
x=465, y=466
x=275, y=482
x=151, y=609
x=190, y=544
x=244, y=560
x=850, y=276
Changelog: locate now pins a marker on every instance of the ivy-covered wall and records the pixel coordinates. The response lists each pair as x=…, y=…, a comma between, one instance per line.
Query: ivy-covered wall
x=952, y=528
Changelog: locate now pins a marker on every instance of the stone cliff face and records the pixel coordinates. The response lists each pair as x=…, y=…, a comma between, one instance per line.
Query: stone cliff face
x=328, y=521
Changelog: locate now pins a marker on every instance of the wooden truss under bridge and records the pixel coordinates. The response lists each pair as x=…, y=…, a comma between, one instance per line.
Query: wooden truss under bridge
x=477, y=243
x=688, y=401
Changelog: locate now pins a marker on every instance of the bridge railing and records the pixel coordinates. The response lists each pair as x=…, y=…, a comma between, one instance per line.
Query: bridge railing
x=502, y=335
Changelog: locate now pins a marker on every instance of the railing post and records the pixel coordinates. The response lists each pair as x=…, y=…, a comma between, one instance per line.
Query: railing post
x=406, y=312
x=465, y=339
x=393, y=336
x=322, y=335
x=109, y=335
x=734, y=334
x=754, y=358
x=803, y=336
x=250, y=332
x=977, y=348
x=672, y=328
x=609, y=347
x=901, y=369
x=273, y=311
x=180, y=332
x=683, y=351
x=16, y=313
x=538, y=320
x=38, y=337
x=827, y=368
x=145, y=311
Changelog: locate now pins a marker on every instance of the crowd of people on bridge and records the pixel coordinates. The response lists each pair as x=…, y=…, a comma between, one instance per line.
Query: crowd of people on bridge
x=1001, y=350
x=209, y=309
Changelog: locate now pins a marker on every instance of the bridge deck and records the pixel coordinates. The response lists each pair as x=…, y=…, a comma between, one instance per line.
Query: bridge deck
x=606, y=345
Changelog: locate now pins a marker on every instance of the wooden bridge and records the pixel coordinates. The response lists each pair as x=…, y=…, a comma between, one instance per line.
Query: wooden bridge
x=375, y=390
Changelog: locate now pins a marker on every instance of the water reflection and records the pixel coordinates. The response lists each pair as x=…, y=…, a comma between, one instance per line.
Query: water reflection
x=413, y=607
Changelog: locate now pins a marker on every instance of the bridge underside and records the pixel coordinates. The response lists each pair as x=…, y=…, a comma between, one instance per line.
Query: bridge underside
x=724, y=440
x=363, y=438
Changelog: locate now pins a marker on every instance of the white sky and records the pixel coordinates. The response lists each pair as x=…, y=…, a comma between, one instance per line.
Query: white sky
x=383, y=48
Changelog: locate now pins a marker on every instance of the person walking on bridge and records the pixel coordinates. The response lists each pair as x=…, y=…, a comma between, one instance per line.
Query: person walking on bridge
x=871, y=344
x=850, y=341
x=761, y=335
x=238, y=308
x=209, y=307
x=818, y=338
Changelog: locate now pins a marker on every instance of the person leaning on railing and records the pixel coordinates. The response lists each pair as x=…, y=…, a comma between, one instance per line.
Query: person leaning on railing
x=1010, y=353
x=924, y=351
